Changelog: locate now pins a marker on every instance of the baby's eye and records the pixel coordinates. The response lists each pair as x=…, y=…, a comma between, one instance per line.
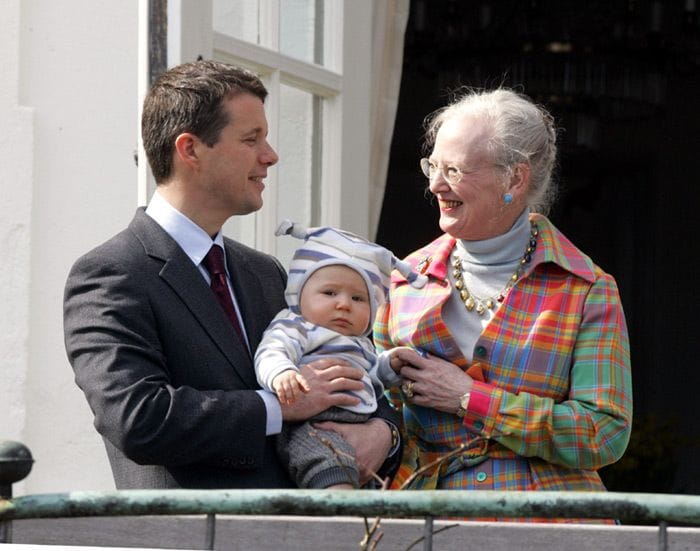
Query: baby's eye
x=358, y=298
x=329, y=293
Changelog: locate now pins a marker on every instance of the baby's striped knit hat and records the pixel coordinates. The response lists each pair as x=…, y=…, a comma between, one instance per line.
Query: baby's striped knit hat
x=326, y=246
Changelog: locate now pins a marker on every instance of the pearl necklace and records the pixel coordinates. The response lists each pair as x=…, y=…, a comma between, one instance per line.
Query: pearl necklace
x=480, y=305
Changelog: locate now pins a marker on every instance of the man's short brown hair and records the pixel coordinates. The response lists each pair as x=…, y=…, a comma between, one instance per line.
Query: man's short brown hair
x=189, y=98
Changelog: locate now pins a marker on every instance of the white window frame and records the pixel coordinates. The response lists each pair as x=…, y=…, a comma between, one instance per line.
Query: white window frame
x=276, y=69
x=344, y=85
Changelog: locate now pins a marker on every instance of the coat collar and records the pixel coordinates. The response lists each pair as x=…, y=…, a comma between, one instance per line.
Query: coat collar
x=430, y=260
x=553, y=246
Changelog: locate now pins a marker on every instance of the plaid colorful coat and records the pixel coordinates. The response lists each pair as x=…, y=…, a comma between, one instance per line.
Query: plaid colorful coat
x=555, y=402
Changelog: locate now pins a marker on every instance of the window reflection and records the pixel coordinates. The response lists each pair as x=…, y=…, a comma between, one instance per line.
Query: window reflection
x=300, y=25
x=301, y=29
x=240, y=19
x=298, y=189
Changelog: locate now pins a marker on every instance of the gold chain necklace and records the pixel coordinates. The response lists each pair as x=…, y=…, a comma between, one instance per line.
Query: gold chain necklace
x=473, y=302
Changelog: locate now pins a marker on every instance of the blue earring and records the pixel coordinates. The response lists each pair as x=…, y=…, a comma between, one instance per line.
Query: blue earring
x=507, y=198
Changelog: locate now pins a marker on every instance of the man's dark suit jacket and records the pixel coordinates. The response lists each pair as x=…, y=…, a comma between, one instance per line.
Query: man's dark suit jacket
x=171, y=387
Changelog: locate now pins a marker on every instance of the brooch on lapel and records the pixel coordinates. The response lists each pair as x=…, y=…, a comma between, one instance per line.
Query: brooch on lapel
x=424, y=264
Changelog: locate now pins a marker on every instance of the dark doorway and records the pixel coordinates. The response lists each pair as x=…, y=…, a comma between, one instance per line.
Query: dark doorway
x=622, y=79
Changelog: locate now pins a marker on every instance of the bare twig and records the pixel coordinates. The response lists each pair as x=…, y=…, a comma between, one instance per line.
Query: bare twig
x=376, y=541
x=339, y=453
x=372, y=533
x=440, y=460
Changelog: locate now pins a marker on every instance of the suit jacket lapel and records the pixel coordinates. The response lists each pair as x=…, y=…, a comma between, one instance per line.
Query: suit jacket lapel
x=185, y=279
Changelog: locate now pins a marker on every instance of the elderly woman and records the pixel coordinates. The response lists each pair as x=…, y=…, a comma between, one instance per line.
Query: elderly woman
x=520, y=348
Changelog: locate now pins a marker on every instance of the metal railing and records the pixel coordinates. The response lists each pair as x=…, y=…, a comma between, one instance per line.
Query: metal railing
x=627, y=507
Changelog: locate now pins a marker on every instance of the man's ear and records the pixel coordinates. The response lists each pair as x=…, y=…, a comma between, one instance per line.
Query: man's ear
x=186, y=149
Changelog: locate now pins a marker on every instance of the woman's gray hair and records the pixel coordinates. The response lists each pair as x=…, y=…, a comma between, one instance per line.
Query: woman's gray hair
x=522, y=132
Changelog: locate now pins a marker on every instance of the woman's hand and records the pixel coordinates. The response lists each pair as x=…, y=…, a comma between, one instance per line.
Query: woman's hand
x=437, y=383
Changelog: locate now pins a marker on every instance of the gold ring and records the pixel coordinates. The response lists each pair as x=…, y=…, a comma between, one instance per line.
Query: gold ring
x=407, y=388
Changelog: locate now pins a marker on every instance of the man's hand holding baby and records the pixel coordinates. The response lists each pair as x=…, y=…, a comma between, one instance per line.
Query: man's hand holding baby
x=329, y=382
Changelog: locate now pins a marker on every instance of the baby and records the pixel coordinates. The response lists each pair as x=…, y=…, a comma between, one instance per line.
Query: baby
x=336, y=282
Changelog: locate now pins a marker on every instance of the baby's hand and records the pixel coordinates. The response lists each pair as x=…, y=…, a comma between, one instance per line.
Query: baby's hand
x=289, y=385
x=396, y=362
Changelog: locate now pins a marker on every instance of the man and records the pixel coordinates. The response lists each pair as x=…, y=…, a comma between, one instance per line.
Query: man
x=166, y=366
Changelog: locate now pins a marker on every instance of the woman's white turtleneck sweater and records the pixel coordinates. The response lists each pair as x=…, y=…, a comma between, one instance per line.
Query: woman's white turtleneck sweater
x=487, y=266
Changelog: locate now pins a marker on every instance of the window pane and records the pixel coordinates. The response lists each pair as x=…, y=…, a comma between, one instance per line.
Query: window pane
x=239, y=19
x=298, y=190
x=300, y=25
x=301, y=29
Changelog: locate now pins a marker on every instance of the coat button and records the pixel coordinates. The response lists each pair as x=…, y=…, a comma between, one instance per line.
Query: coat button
x=480, y=351
x=478, y=425
x=481, y=476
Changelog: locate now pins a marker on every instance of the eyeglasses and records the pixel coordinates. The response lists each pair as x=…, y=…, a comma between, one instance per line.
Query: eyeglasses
x=451, y=174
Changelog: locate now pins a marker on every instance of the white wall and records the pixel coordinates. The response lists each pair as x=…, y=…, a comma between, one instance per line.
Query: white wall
x=16, y=143
x=68, y=133
x=69, y=93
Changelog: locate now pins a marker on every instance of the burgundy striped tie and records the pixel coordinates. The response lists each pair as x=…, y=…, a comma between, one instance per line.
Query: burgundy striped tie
x=214, y=263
